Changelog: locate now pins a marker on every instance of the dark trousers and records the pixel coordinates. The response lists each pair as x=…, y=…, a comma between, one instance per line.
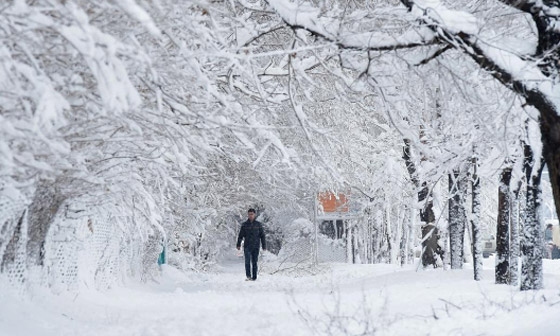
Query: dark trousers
x=251, y=257
x=555, y=252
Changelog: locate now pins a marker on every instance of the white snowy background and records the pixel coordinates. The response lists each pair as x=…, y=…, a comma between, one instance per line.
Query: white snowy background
x=127, y=126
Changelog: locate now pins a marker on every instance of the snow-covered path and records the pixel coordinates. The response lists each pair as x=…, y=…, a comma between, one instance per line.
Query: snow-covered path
x=341, y=299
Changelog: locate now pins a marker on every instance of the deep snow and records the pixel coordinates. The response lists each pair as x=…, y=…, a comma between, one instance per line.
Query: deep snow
x=339, y=299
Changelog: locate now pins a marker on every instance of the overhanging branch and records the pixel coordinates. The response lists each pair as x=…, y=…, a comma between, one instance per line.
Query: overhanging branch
x=434, y=55
x=469, y=44
x=526, y=6
x=534, y=7
x=366, y=47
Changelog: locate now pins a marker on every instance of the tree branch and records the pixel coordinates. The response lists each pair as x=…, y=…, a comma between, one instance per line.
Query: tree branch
x=434, y=55
x=309, y=18
x=526, y=6
x=366, y=47
x=254, y=38
x=471, y=45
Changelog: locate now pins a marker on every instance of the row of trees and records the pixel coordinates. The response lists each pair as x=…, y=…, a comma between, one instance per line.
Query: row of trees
x=528, y=67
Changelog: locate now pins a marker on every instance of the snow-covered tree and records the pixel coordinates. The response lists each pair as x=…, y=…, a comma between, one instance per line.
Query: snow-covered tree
x=528, y=68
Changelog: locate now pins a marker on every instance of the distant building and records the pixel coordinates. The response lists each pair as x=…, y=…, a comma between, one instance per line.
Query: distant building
x=332, y=211
x=333, y=219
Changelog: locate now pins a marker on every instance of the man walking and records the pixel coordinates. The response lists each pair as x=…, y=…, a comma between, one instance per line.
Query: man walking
x=253, y=233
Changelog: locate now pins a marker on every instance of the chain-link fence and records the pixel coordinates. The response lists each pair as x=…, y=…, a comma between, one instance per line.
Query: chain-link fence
x=326, y=241
x=84, y=244
x=13, y=234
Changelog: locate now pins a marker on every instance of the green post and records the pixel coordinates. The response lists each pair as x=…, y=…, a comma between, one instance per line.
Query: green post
x=161, y=259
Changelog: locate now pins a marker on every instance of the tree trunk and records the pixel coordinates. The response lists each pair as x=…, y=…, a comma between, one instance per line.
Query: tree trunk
x=475, y=223
x=532, y=236
x=353, y=242
x=405, y=237
x=430, y=233
x=502, y=234
x=457, y=219
x=550, y=135
x=379, y=237
x=430, y=247
x=514, y=235
x=390, y=234
x=514, y=243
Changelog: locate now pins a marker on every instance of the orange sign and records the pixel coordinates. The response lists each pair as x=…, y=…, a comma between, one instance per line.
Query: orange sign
x=331, y=203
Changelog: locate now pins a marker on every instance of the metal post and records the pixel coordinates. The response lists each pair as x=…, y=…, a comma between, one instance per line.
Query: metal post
x=162, y=257
x=316, y=229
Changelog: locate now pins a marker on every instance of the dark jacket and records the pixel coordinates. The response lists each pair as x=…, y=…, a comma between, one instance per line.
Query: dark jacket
x=252, y=232
x=548, y=235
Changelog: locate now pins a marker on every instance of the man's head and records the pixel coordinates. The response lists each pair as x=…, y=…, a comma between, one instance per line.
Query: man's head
x=251, y=214
x=549, y=226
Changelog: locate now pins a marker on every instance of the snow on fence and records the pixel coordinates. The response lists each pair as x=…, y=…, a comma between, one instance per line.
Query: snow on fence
x=301, y=250
x=13, y=234
x=84, y=245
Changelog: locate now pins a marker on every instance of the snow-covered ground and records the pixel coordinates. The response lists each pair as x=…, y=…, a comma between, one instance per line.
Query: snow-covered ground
x=339, y=299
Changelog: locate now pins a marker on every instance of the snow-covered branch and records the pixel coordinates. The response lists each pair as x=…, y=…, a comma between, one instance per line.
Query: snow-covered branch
x=302, y=15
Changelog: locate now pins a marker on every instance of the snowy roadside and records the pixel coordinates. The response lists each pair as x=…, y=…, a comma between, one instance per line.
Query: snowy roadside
x=341, y=299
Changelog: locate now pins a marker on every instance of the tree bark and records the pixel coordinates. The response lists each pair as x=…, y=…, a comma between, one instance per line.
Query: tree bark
x=475, y=223
x=532, y=235
x=514, y=239
x=430, y=233
x=502, y=234
x=457, y=219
